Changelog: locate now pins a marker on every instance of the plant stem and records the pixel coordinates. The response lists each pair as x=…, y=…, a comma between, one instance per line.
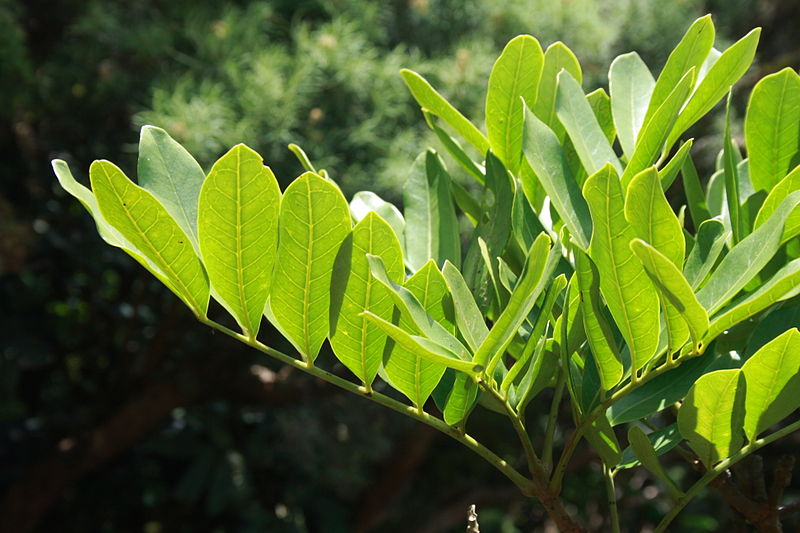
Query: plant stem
x=552, y=421
x=709, y=476
x=523, y=483
x=549, y=500
x=611, y=491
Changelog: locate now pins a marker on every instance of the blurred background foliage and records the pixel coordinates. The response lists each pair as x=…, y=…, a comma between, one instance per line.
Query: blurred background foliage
x=117, y=411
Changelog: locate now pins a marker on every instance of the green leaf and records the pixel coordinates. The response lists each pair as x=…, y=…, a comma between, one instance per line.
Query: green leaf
x=582, y=127
x=779, y=192
x=546, y=156
x=557, y=57
x=671, y=386
x=430, y=100
x=647, y=455
x=314, y=221
x=454, y=148
x=598, y=332
x=494, y=229
x=431, y=223
x=784, y=284
x=773, y=383
x=569, y=328
x=652, y=218
x=409, y=306
x=652, y=136
x=630, y=84
x=358, y=344
x=168, y=171
x=673, y=288
x=729, y=157
x=460, y=399
x=601, y=105
x=412, y=375
x=364, y=202
x=535, y=276
x=469, y=318
x=711, y=416
x=630, y=296
x=694, y=193
x=691, y=52
x=514, y=78
x=770, y=128
x=670, y=171
x=238, y=233
x=709, y=243
x=86, y=197
x=653, y=221
x=662, y=441
x=747, y=258
x=719, y=79
x=142, y=220
x=539, y=374
x=425, y=348
x=602, y=438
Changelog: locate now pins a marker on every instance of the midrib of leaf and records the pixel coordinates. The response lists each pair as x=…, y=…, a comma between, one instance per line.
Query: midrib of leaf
x=615, y=270
x=239, y=265
x=177, y=194
x=309, y=255
x=171, y=271
x=363, y=351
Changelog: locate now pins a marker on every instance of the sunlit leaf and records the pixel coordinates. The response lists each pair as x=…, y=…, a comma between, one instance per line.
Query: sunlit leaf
x=630, y=84
x=314, y=221
x=141, y=220
x=770, y=128
x=238, y=233
x=358, y=344
x=711, y=416
x=514, y=79
x=628, y=292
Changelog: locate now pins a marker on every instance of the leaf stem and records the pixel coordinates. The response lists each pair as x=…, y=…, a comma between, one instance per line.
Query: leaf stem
x=522, y=482
x=611, y=491
x=722, y=466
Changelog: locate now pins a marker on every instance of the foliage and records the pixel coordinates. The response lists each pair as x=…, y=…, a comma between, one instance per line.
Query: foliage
x=587, y=287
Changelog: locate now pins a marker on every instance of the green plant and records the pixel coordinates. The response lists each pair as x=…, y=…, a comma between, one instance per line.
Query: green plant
x=579, y=277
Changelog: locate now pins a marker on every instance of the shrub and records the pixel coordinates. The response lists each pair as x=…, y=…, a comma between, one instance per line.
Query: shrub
x=578, y=275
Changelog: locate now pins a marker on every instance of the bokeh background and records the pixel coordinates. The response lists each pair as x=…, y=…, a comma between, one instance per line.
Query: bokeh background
x=118, y=412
